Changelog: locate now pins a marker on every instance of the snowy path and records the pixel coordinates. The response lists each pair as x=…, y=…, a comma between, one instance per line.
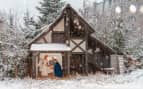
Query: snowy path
x=131, y=81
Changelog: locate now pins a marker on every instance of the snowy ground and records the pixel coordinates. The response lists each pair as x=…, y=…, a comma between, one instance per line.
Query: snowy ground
x=131, y=81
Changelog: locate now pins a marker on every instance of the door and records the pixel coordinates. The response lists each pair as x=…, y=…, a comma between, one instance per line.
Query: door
x=45, y=64
x=77, y=64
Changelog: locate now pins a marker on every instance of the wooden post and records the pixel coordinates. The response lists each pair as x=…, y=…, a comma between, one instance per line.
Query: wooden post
x=34, y=58
x=67, y=26
x=36, y=66
x=29, y=64
x=32, y=75
x=109, y=58
x=86, y=53
x=86, y=63
x=83, y=62
x=67, y=20
x=68, y=64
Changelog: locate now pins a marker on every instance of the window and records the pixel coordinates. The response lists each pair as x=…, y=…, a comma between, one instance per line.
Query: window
x=58, y=37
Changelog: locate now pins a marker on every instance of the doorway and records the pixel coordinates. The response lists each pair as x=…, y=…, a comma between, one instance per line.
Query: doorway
x=45, y=64
x=77, y=64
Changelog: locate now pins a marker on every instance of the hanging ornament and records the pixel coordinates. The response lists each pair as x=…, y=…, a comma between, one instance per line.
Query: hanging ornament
x=79, y=27
x=75, y=21
x=67, y=19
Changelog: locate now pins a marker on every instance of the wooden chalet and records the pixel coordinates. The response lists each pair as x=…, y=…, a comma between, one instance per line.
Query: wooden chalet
x=73, y=42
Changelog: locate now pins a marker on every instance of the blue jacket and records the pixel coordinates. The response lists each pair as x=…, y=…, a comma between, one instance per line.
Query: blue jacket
x=58, y=70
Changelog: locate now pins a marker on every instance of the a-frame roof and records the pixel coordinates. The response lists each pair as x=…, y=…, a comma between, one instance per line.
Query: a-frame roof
x=105, y=46
x=49, y=27
x=45, y=29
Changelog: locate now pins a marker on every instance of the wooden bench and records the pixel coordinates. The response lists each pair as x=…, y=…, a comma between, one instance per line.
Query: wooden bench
x=108, y=70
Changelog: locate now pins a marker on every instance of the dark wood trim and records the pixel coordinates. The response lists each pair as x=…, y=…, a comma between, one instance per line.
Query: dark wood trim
x=68, y=62
x=58, y=32
x=67, y=29
x=86, y=52
x=45, y=40
x=78, y=53
x=78, y=45
x=52, y=51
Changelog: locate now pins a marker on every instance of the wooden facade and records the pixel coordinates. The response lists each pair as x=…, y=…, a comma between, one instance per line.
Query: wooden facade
x=87, y=54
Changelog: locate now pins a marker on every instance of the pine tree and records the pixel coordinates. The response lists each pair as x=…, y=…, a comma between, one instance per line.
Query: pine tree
x=118, y=36
x=49, y=10
x=30, y=26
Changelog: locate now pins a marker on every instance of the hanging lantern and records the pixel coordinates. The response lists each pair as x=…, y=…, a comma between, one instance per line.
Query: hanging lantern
x=118, y=10
x=76, y=21
x=79, y=27
x=67, y=19
x=132, y=8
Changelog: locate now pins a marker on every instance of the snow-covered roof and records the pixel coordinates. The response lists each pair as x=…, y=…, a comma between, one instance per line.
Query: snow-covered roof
x=102, y=43
x=50, y=47
x=46, y=28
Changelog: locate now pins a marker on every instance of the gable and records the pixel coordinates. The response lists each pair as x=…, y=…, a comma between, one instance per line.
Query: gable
x=58, y=25
x=47, y=36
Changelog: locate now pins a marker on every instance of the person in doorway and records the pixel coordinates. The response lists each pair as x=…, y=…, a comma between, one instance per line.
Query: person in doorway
x=57, y=68
x=43, y=66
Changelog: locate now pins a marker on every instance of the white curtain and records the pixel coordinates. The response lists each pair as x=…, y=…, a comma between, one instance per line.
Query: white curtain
x=44, y=69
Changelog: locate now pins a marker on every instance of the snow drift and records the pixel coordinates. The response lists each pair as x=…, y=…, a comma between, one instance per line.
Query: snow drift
x=99, y=81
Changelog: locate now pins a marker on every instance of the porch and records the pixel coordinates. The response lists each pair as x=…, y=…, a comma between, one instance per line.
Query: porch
x=43, y=68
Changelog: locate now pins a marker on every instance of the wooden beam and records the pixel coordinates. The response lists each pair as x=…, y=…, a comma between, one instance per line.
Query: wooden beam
x=67, y=20
x=36, y=66
x=45, y=40
x=29, y=65
x=68, y=64
x=67, y=27
x=86, y=52
x=78, y=45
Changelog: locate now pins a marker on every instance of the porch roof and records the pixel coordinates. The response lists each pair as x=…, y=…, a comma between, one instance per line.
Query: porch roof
x=51, y=47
